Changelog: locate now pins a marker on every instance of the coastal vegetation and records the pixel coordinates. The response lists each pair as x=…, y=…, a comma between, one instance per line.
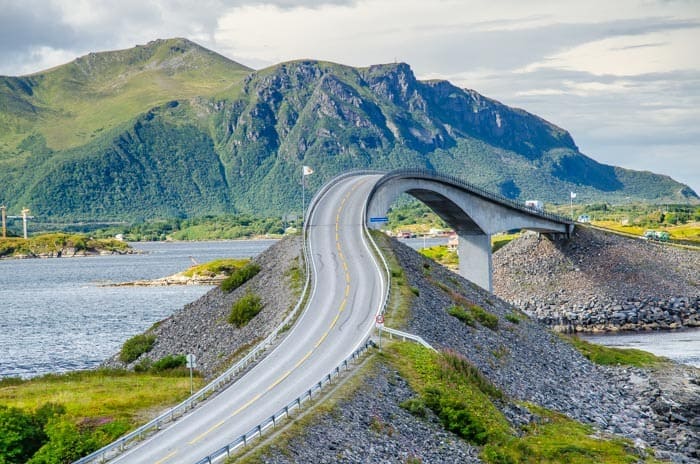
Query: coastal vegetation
x=465, y=403
x=245, y=309
x=59, y=244
x=216, y=267
x=136, y=346
x=60, y=417
x=610, y=356
x=240, y=276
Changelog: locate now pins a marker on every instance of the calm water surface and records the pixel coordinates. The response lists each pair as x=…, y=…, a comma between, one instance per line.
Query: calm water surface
x=682, y=346
x=55, y=316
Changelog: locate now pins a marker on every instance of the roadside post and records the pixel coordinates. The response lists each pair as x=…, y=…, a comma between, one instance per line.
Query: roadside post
x=380, y=323
x=191, y=363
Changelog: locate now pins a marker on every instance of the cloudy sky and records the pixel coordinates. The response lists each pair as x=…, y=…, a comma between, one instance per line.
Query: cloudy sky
x=622, y=76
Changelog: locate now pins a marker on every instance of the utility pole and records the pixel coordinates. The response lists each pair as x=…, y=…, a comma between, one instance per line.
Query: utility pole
x=3, y=213
x=25, y=211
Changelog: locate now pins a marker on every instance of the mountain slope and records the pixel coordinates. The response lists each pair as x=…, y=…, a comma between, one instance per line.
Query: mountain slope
x=170, y=128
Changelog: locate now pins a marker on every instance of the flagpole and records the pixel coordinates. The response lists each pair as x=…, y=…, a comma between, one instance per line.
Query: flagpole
x=303, y=202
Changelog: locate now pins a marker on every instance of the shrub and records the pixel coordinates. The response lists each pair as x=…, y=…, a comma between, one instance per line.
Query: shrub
x=513, y=318
x=415, y=291
x=136, y=346
x=239, y=277
x=415, y=406
x=245, y=309
x=169, y=362
x=484, y=317
x=462, y=314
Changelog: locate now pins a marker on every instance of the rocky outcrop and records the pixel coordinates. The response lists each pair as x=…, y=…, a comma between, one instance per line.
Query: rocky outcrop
x=599, y=281
x=201, y=327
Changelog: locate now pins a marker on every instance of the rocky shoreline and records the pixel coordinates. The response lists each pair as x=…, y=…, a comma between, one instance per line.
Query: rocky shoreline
x=600, y=282
x=641, y=314
x=70, y=252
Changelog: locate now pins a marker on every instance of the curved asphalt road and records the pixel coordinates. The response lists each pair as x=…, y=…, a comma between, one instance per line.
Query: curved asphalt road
x=348, y=291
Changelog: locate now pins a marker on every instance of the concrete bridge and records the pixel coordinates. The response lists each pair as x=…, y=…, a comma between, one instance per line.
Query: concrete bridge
x=472, y=212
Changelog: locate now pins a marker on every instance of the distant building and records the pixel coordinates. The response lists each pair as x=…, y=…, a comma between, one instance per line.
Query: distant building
x=453, y=242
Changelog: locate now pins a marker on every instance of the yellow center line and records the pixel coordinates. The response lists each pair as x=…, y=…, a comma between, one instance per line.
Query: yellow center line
x=204, y=434
x=167, y=457
x=307, y=355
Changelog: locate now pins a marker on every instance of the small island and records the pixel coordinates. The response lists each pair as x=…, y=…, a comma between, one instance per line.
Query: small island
x=60, y=245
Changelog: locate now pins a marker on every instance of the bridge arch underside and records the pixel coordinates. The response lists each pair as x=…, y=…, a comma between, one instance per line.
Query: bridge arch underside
x=473, y=217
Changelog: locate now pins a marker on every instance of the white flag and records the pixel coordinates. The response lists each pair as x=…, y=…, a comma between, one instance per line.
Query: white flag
x=573, y=195
x=307, y=170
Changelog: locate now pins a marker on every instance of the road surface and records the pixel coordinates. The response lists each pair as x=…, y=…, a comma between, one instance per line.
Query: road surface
x=348, y=291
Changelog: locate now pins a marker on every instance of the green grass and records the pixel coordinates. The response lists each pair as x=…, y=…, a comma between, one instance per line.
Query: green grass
x=136, y=346
x=239, y=277
x=607, y=356
x=441, y=254
x=401, y=294
x=465, y=402
x=216, y=267
x=245, y=309
x=686, y=233
x=99, y=406
x=471, y=313
x=56, y=242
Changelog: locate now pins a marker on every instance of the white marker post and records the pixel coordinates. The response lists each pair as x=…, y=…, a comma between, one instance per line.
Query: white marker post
x=191, y=363
x=380, y=323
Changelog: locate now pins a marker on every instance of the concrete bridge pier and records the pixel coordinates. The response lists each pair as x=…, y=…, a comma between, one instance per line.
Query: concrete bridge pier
x=475, y=262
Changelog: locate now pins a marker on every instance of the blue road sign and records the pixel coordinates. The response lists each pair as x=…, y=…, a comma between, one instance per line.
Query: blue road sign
x=379, y=219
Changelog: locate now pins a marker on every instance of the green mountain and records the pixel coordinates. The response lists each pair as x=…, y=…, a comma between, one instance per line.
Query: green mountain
x=173, y=129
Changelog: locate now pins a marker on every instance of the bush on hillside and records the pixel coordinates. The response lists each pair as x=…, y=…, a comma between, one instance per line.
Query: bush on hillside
x=239, y=277
x=245, y=309
x=136, y=346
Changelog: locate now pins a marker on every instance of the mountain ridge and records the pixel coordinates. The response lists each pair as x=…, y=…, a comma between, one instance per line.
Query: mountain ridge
x=172, y=129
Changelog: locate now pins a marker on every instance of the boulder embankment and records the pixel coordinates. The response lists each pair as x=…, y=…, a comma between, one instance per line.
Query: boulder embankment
x=600, y=282
x=201, y=327
x=656, y=409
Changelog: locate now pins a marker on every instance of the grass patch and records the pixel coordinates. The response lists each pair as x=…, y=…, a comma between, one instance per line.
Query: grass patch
x=462, y=314
x=216, y=267
x=608, y=356
x=401, y=295
x=513, y=318
x=452, y=388
x=245, y=309
x=136, y=346
x=239, y=277
x=96, y=407
x=500, y=240
x=471, y=313
x=441, y=254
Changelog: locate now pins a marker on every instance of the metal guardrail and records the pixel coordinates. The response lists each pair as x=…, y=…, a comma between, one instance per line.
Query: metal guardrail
x=257, y=431
x=480, y=191
x=116, y=447
x=406, y=336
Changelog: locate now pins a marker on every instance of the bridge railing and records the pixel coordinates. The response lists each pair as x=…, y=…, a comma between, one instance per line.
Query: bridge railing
x=271, y=422
x=480, y=191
